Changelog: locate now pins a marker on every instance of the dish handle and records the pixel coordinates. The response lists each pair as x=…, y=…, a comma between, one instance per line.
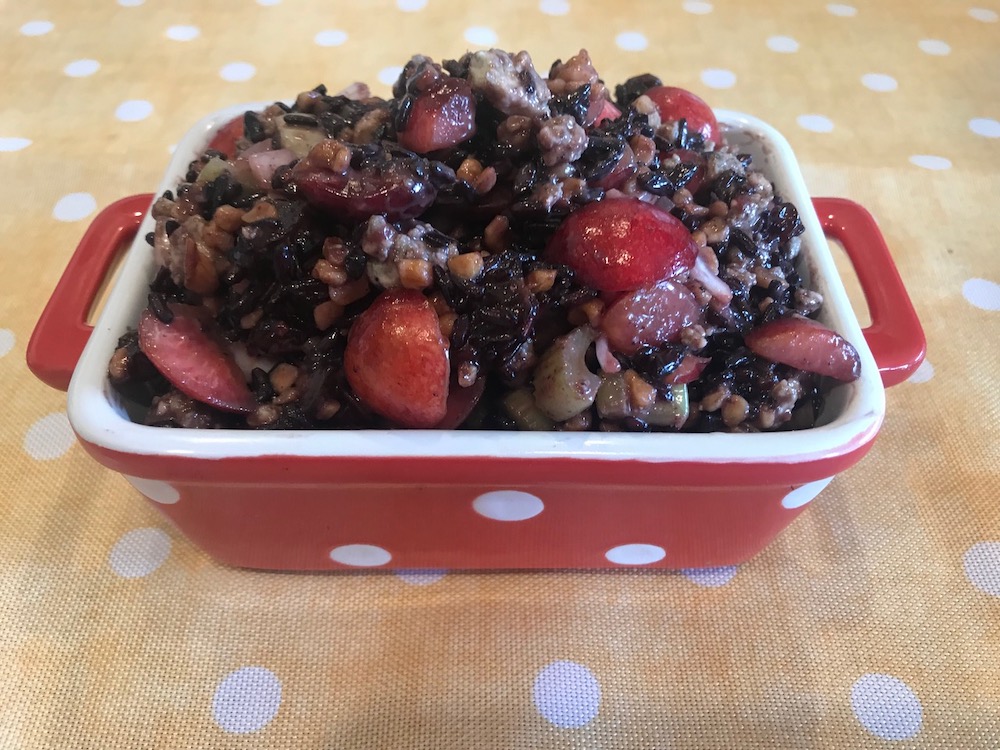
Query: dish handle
x=895, y=336
x=62, y=330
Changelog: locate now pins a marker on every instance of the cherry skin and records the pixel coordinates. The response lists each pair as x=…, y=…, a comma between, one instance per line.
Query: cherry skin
x=675, y=104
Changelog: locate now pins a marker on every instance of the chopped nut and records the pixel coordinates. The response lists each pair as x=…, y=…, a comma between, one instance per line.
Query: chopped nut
x=118, y=367
x=593, y=309
x=641, y=395
x=286, y=397
x=712, y=401
x=260, y=210
x=415, y=273
x=350, y=292
x=264, y=415
x=735, y=410
x=251, y=319
x=283, y=376
x=579, y=423
x=326, y=314
x=216, y=238
x=494, y=235
x=227, y=217
x=334, y=250
x=329, y=274
x=486, y=181
x=469, y=170
x=447, y=323
x=327, y=409
x=541, y=280
x=467, y=374
x=466, y=266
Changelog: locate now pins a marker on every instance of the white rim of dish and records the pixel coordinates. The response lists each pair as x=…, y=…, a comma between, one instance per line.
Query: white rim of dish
x=97, y=417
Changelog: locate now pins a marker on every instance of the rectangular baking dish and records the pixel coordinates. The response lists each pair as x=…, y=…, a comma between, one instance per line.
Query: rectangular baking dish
x=424, y=499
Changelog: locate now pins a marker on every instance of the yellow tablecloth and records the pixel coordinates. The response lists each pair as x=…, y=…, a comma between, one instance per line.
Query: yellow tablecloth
x=874, y=620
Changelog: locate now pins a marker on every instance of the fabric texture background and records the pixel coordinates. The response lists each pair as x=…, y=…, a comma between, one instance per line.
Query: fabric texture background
x=873, y=621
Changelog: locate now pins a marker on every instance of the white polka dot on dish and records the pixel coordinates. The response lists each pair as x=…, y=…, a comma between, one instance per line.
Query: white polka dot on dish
x=182, y=33
x=74, y=206
x=508, y=505
x=934, y=47
x=783, y=44
x=388, y=76
x=420, y=577
x=6, y=341
x=36, y=28
x=983, y=14
x=360, y=555
x=566, y=694
x=841, y=10
x=411, y=6
x=554, y=7
x=246, y=700
x=482, y=36
x=982, y=293
x=236, y=72
x=985, y=127
x=886, y=706
x=718, y=78
x=711, y=577
x=879, y=82
x=929, y=161
x=82, y=68
x=14, y=144
x=805, y=494
x=156, y=490
x=139, y=552
x=697, y=7
x=330, y=38
x=631, y=41
x=815, y=123
x=923, y=373
x=981, y=564
x=133, y=110
x=635, y=554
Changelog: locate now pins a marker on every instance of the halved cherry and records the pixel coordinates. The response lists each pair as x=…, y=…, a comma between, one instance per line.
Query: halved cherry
x=441, y=117
x=688, y=370
x=675, y=103
x=808, y=345
x=649, y=317
x=605, y=110
x=461, y=402
x=396, y=359
x=621, y=244
x=192, y=356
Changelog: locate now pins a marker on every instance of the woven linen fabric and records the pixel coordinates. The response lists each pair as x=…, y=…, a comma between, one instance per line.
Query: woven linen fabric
x=873, y=621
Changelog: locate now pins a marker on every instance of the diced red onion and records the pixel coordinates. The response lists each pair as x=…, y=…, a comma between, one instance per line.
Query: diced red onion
x=718, y=288
x=264, y=164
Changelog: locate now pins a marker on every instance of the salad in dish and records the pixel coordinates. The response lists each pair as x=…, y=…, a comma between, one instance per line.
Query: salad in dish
x=489, y=248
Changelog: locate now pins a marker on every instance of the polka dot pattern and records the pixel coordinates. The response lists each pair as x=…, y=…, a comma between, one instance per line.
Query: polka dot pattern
x=74, y=206
x=237, y=71
x=14, y=144
x=388, y=76
x=554, y=7
x=156, y=490
x=804, y=494
x=330, y=38
x=246, y=700
x=566, y=694
x=815, y=123
x=37, y=28
x=82, y=68
x=481, y=36
x=420, y=577
x=784, y=44
x=134, y=110
x=841, y=10
x=879, y=82
x=711, y=578
x=984, y=14
x=929, y=161
x=934, y=47
x=182, y=33
x=923, y=373
x=982, y=293
x=717, y=78
x=985, y=126
x=698, y=8
x=411, y=6
x=635, y=554
x=360, y=555
x=139, y=552
x=631, y=41
x=508, y=505
x=6, y=341
x=886, y=707
x=982, y=567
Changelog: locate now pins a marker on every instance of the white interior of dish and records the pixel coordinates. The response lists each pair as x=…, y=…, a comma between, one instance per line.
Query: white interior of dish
x=852, y=415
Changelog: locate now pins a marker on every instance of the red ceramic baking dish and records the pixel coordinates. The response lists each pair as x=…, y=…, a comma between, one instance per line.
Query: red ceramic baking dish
x=325, y=500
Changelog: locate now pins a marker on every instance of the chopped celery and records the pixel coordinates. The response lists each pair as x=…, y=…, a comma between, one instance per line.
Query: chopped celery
x=521, y=407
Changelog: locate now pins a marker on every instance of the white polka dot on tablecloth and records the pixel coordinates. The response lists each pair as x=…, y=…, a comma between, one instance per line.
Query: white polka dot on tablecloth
x=182, y=33
x=330, y=38
x=697, y=7
x=985, y=127
x=805, y=494
x=929, y=161
x=815, y=123
x=923, y=373
x=508, y=505
x=782, y=44
x=130, y=3
x=566, y=694
x=711, y=577
x=82, y=68
x=360, y=555
x=886, y=706
x=6, y=341
x=839, y=9
x=718, y=78
x=237, y=71
x=631, y=41
x=982, y=567
x=388, y=76
x=139, y=552
x=420, y=577
x=246, y=700
x=554, y=7
x=934, y=47
x=481, y=36
x=133, y=110
x=879, y=82
x=14, y=144
x=156, y=490
x=49, y=437
x=635, y=554
x=74, y=206
x=411, y=6
x=36, y=28
x=982, y=293
x=983, y=14
x=267, y=3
